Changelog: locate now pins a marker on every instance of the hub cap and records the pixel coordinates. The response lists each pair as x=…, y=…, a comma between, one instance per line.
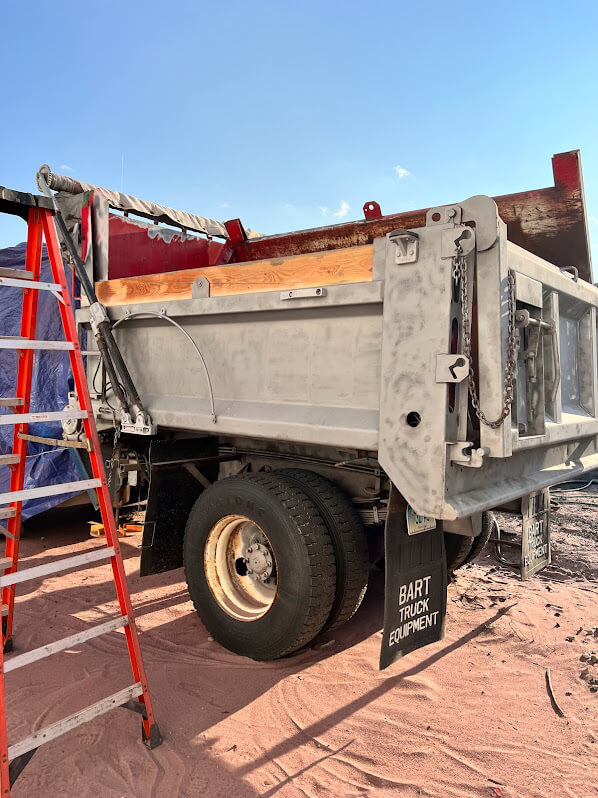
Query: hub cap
x=240, y=568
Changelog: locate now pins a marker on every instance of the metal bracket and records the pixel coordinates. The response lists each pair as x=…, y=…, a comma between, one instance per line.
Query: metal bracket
x=462, y=453
x=524, y=320
x=303, y=293
x=200, y=288
x=372, y=210
x=463, y=237
x=444, y=214
x=141, y=425
x=72, y=428
x=97, y=315
x=451, y=368
x=407, y=245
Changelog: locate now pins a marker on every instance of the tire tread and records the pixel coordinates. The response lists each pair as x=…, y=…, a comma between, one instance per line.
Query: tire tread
x=349, y=540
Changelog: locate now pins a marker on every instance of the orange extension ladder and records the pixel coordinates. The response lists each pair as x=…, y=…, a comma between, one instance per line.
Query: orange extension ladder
x=136, y=697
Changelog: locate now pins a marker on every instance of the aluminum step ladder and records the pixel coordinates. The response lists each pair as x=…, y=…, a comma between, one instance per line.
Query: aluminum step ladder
x=13, y=758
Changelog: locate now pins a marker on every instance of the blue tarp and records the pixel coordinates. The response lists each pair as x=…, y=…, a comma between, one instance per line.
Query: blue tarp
x=52, y=380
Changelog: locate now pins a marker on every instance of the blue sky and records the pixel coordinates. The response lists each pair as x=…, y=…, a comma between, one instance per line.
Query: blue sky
x=293, y=115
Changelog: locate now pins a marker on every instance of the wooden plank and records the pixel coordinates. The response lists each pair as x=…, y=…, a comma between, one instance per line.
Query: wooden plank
x=20, y=274
x=350, y=265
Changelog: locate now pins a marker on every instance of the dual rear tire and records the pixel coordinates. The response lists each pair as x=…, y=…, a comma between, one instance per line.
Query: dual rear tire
x=461, y=549
x=272, y=559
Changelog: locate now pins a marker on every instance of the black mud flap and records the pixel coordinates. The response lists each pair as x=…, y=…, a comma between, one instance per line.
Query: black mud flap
x=415, y=592
x=174, y=489
x=535, y=533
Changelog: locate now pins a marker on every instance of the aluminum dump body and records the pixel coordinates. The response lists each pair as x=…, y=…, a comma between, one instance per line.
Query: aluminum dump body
x=371, y=367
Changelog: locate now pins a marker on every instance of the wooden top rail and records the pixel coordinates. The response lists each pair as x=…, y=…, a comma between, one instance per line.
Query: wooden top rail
x=351, y=265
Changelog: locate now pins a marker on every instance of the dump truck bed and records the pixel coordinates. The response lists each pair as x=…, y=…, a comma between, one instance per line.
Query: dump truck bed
x=359, y=359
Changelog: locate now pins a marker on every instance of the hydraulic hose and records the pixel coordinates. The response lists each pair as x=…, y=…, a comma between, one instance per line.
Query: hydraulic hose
x=129, y=400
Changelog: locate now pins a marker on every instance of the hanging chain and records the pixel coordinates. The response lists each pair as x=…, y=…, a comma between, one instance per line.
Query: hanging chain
x=460, y=276
x=112, y=457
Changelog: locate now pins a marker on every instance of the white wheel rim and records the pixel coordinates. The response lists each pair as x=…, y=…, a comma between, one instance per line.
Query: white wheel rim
x=234, y=543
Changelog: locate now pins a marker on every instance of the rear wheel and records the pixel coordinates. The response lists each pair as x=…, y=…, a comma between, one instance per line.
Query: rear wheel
x=461, y=549
x=489, y=525
x=457, y=548
x=348, y=541
x=259, y=565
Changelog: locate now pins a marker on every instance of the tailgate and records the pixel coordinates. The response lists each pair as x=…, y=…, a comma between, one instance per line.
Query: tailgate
x=461, y=298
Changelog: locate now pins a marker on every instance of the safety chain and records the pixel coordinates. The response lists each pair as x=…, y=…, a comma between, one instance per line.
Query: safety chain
x=460, y=276
x=117, y=431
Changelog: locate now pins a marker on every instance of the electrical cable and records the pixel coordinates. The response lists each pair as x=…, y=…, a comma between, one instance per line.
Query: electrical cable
x=191, y=341
x=573, y=482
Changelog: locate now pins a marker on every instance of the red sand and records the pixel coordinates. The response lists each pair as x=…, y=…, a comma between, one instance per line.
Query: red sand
x=469, y=716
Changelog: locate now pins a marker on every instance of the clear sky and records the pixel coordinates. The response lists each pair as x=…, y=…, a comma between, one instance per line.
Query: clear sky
x=291, y=115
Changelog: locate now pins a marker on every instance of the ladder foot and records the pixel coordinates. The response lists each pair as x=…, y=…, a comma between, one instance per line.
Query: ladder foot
x=8, y=646
x=154, y=739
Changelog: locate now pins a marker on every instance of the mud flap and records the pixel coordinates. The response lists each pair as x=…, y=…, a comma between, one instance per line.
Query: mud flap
x=535, y=538
x=172, y=493
x=416, y=580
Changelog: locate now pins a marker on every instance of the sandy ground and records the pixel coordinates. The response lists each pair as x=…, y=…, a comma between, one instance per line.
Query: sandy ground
x=469, y=716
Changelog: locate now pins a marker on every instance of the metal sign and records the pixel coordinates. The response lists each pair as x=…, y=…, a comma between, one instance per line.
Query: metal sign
x=535, y=548
x=415, y=594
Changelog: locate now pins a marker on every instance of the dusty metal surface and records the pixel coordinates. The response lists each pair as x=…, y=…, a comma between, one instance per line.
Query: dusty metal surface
x=358, y=366
x=549, y=222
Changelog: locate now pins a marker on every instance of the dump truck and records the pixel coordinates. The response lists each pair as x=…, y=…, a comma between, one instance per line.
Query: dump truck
x=289, y=408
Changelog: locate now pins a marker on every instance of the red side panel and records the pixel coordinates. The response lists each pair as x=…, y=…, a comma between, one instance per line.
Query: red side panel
x=137, y=248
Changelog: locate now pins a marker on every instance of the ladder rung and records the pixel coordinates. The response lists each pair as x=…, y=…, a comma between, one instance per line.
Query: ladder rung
x=65, y=725
x=5, y=562
x=17, y=343
x=20, y=274
x=9, y=459
x=11, y=401
x=85, y=444
x=32, y=418
x=55, y=567
x=4, y=531
x=48, y=490
x=11, y=282
x=7, y=512
x=61, y=645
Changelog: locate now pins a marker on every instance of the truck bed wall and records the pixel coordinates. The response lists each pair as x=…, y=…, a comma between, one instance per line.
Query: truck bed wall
x=344, y=367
